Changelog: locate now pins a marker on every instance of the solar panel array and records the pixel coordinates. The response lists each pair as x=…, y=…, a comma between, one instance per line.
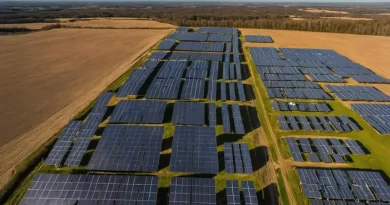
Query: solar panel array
x=136, y=80
x=317, y=123
x=326, y=78
x=166, y=44
x=91, y=189
x=188, y=113
x=352, y=92
x=233, y=192
x=195, y=56
x=220, y=37
x=237, y=158
x=258, y=39
x=298, y=93
x=194, y=149
x=187, y=36
x=201, y=46
x=63, y=143
x=300, y=106
x=346, y=185
x=128, y=148
x=377, y=115
x=237, y=119
x=192, y=191
x=323, y=149
x=139, y=112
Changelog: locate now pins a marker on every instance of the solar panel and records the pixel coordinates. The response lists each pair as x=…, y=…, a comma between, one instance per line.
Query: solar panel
x=238, y=163
x=212, y=115
x=238, y=124
x=193, y=89
x=229, y=159
x=246, y=159
x=248, y=187
x=212, y=92
x=63, y=143
x=166, y=44
x=232, y=192
x=102, y=101
x=90, y=126
x=194, y=150
x=226, y=118
x=226, y=71
x=192, y=191
x=352, y=92
x=85, y=189
x=241, y=92
x=188, y=113
x=135, y=81
x=223, y=91
x=77, y=152
x=139, y=111
x=232, y=92
x=258, y=39
x=128, y=148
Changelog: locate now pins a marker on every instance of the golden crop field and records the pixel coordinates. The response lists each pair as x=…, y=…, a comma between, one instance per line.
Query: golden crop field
x=48, y=77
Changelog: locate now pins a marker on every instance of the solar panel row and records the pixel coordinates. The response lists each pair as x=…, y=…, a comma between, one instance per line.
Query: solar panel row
x=128, y=148
x=166, y=44
x=237, y=158
x=139, y=111
x=327, y=149
x=352, y=92
x=298, y=93
x=194, y=149
x=377, y=115
x=300, y=106
x=134, y=82
x=91, y=189
x=195, y=56
x=317, y=123
x=258, y=39
x=201, y=46
x=283, y=77
x=348, y=185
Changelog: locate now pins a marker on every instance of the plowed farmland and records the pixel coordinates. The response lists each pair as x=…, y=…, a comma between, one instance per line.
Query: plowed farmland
x=48, y=77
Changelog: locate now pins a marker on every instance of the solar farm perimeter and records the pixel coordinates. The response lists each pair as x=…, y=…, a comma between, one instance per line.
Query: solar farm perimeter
x=184, y=128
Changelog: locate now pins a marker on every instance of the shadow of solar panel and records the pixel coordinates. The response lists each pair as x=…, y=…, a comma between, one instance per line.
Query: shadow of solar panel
x=212, y=115
x=128, y=148
x=139, y=111
x=223, y=91
x=77, y=152
x=194, y=149
x=226, y=118
x=248, y=187
x=193, y=89
x=188, y=113
x=232, y=192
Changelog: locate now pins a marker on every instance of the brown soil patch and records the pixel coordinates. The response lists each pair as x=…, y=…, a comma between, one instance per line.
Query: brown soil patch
x=384, y=14
x=48, y=77
x=323, y=11
x=370, y=51
x=349, y=18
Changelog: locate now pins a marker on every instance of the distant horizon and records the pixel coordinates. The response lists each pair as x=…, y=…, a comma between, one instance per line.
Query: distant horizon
x=208, y=1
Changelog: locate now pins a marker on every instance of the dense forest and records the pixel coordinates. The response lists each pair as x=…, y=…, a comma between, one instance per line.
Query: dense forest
x=267, y=16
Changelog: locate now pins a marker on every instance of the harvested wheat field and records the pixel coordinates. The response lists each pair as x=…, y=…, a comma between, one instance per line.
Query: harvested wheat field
x=25, y=25
x=48, y=77
x=312, y=10
x=370, y=51
x=349, y=18
x=118, y=23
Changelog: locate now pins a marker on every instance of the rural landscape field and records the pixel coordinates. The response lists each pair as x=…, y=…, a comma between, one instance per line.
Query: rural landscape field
x=194, y=103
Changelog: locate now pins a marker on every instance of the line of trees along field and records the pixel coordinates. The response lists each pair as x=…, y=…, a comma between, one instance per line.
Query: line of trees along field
x=223, y=15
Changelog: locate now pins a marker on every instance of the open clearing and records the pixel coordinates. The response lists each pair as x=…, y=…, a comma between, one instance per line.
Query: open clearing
x=98, y=23
x=48, y=77
x=323, y=11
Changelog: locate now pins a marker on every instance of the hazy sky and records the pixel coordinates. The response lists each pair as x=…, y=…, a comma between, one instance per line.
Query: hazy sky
x=312, y=1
